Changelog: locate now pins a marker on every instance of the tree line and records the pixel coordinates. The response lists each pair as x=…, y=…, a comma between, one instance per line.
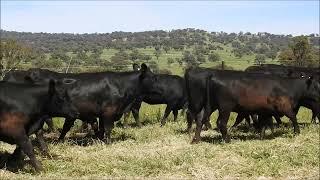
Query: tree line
x=196, y=46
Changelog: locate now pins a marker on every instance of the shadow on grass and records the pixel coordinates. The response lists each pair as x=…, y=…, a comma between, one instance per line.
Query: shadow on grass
x=144, y=122
x=245, y=133
x=84, y=139
x=243, y=137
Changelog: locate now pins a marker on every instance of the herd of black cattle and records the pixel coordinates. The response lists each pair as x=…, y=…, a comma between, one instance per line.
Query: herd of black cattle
x=30, y=98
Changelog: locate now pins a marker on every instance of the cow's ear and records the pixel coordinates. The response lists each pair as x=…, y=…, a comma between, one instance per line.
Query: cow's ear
x=135, y=67
x=144, y=68
x=52, y=87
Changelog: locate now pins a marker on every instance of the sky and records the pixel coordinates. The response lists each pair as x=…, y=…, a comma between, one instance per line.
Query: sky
x=278, y=17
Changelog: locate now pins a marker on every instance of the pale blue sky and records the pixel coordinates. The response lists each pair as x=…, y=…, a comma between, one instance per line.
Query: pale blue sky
x=279, y=17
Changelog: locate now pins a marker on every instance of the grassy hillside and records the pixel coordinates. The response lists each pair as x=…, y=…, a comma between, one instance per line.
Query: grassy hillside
x=225, y=54
x=162, y=153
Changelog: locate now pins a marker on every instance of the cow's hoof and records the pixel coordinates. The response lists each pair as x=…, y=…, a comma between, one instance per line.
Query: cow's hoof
x=227, y=140
x=195, y=141
x=60, y=140
x=38, y=168
x=189, y=131
x=205, y=128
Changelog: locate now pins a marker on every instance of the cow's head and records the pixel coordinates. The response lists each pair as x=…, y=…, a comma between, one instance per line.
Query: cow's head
x=39, y=76
x=58, y=102
x=313, y=88
x=147, y=79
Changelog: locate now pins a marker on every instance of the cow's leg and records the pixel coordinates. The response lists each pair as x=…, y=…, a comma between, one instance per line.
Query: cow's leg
x=95, y=127
x=190, y=118
x=15, y=160
x=292, y=116
x=247, y=118
x=101, y=129
x=42, y=145
x=262, y=132
x=26, y=146
x=165, y=116
x=68, y=123
x=313, y=119
x=270, y=124
x=265, y=120
x=135, y=113
x=84, y=127
x=278, y=119
x=199, y=123
x=255, y=121
x=239, y=119
x=207, y=124
x=315, y=114
x=223, y=119
x=108, y=126
x=49, y=122
x=125, y=119
x=175, y=114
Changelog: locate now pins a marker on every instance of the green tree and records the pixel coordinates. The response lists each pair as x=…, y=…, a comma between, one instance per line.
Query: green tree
x=81, y=57
x=12, y=54
x=238, y=53
x=157, y=53
x=286, y=55
x=166, y=49
x=146, y=57
x=200, y=58
x=235, y=44
x=271, y=54
x=260, y=59
x=189, y=59
x=214, y=57
x=134, y=55
x=154, y=66
x=170, y=61
x=301, y=49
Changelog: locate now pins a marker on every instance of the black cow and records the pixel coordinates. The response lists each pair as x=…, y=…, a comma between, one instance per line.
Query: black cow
x=105, y=95
x=246, y=93
x=291, y=71
x=167, y=89
x=20, y=76
x=23, y=108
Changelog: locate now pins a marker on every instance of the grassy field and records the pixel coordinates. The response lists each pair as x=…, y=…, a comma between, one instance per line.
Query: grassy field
x=166, y=153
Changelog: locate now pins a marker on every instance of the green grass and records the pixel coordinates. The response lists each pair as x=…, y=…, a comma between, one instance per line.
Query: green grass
x=166, y=153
